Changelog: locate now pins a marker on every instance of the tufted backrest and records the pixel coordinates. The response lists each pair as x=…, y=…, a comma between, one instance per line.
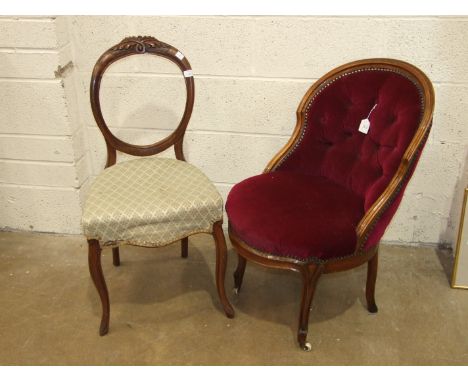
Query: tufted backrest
x=397, y=100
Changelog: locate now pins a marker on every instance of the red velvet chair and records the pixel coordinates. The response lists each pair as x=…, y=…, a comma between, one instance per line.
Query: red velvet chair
x=325, y=200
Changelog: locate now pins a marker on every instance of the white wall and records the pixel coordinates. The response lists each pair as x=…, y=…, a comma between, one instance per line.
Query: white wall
x=41, y=155
x=250, y=73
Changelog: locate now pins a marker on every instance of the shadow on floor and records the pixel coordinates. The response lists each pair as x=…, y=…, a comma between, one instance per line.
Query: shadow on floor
x=446, y=259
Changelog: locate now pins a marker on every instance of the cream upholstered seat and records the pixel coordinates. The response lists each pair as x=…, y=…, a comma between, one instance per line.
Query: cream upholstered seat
x=150, y=202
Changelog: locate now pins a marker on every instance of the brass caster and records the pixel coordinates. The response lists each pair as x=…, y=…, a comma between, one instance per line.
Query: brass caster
x=307, y=346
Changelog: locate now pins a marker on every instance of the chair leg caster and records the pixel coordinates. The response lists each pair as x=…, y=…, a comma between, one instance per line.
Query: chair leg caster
x=372, y=308
x=236, y=291
x=302, y=339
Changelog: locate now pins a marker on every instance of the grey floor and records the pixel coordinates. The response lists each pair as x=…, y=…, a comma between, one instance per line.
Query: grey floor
x=164, y=309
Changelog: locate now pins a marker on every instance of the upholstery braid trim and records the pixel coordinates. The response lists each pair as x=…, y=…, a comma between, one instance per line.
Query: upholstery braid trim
x=397, y=190
x=326, y=84
x=148, y=244
x=315, y=260
x=390, y=200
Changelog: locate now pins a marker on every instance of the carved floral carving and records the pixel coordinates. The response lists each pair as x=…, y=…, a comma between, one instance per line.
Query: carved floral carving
x=140, y=44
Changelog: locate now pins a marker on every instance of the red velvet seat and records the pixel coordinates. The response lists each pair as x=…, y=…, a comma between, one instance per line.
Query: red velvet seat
x=324, y=201
x=334, y=149
x=262, y=212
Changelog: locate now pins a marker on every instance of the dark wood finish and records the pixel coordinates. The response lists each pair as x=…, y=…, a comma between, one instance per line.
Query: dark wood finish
x=184, y=247
x=370, y=284
x=95, y=269
x=116, y=256
x=266, y=259
x=239, y=273
x=311, y=272
x=127, y=47
x=221, y=262
x=310, y=276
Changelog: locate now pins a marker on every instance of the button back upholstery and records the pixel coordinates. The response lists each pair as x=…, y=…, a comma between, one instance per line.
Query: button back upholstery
x=324, y=201
x=330, y=150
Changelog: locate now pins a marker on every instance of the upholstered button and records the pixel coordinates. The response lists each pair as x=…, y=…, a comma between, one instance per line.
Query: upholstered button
x=325, y=141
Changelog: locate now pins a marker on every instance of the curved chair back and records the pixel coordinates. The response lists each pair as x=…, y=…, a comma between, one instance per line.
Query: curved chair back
x=363, y=125
x=141, y=45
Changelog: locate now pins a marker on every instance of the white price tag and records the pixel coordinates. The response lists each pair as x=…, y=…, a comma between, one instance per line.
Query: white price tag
x=365, y=123
x=364, y=126
x=179, y=55
x=188, y=73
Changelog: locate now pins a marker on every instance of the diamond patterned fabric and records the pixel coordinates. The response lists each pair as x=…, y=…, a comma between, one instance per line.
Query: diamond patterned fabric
x=150, y=202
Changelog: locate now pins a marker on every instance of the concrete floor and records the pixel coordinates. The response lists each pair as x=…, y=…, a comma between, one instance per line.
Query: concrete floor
x=165, y=311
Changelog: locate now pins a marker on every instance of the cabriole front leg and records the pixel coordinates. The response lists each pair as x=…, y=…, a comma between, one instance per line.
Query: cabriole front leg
x=221, y=261
x=95, y=269
x=310, y=276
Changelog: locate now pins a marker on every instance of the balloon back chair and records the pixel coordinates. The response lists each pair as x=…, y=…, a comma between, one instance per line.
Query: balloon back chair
x=325, y=200
x=154, y=201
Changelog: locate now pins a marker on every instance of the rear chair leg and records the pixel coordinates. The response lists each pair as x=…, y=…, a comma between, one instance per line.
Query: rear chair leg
x=239, y=273
x=370, y=285
x=95, y=269
x=184, y=247
x=116, y=256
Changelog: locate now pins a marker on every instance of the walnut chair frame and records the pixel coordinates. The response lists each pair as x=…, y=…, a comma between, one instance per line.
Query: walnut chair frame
x=311, y=271
x=127, y=47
